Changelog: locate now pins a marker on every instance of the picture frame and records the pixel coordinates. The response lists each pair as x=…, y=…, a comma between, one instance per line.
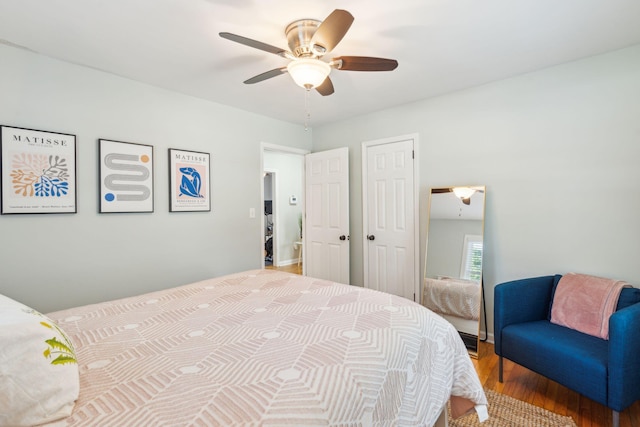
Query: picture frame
x=126, y=177
x=38, y=171
x=189, y=181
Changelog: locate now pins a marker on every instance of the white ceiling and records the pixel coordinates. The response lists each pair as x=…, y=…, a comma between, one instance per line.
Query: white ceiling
x=448, y=206
x=441, y=45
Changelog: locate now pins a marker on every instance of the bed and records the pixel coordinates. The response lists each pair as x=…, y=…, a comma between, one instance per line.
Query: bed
x=457, y=300
x=263, y=348
x=453, y=296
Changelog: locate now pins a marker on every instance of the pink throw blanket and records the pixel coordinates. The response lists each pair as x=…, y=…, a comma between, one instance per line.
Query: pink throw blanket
x=585, y=303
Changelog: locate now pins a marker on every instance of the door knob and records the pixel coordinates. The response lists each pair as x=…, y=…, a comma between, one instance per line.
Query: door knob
x=371, y=237
x=343, y=237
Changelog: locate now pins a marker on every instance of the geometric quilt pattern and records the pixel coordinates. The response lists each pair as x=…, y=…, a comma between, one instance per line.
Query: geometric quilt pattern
x=265, y=348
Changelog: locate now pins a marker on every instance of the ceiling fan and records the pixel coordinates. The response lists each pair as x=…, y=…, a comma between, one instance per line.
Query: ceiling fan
x=309, y=40
x=463, y=193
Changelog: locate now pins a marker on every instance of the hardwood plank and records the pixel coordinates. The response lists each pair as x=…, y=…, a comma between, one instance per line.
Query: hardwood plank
x=584, y=409
x=632, y=419
x=551, y=395
x=293, y=268
x=540, y=391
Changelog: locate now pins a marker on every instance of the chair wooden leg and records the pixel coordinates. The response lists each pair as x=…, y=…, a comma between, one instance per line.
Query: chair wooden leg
x=500, y=368
x=616, y=418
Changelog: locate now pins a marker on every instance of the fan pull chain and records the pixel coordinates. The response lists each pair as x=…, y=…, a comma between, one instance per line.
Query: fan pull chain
x=307, y=109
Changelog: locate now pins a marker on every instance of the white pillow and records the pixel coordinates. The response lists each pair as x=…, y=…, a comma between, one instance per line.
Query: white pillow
x=39, y=380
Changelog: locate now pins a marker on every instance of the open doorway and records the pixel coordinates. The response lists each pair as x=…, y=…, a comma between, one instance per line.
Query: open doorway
x=269, y=187
x=283, y=196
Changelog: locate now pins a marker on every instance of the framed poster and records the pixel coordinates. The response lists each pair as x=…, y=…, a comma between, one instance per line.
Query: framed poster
x=189, y=181
x=38, y=171
x=126, y=177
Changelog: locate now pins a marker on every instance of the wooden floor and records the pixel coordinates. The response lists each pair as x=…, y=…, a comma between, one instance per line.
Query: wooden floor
x=525, y=385
x=293, y=268
x=530, y=387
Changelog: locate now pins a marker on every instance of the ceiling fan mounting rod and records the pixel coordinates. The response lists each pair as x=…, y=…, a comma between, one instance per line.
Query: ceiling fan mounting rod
x=299, y=34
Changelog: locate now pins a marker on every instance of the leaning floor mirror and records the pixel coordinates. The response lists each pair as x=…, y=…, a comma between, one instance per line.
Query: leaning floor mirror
x=452, y=284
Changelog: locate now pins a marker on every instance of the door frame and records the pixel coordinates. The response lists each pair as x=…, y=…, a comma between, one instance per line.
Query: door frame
x=416, y=208
x=266, y=146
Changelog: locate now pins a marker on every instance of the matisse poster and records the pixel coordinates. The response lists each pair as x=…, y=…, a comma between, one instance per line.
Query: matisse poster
x=126, y=177
x=189, y=181
x=38, y=171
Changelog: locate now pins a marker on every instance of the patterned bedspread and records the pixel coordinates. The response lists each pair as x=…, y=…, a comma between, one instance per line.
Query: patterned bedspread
x=457, y=297
x=265, y=348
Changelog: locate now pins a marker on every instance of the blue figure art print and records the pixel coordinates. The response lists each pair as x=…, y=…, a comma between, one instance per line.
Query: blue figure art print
x=190, y=183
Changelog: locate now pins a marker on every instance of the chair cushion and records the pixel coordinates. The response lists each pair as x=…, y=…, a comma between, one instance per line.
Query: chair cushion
x=571, y=358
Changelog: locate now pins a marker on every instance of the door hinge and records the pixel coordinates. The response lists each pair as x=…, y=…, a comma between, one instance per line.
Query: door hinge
x=413, y=154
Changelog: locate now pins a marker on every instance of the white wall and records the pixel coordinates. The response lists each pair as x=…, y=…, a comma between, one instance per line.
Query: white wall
x=446, y=245
x=289, y=173
x=62, y=260
x=268, y=193
x=558, y=150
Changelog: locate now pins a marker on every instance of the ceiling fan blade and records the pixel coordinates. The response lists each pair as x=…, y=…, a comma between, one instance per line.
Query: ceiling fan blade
x=365, y=63
x=254, y=44
x=441, y=190
x=331, y=31
x=326, y=88
x=266, y=75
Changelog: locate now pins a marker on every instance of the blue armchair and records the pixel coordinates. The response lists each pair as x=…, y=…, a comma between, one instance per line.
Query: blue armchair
x=606, y=371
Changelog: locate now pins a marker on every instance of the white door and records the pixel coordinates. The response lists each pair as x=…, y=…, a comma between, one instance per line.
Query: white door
x=390, y=217
x=326, y=241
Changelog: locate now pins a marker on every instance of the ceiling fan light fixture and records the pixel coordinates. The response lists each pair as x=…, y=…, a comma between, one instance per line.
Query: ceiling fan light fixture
x=463, y=192
x=308, y=73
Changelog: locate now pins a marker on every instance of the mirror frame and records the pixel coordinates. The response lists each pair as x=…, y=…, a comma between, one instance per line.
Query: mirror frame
x=464, y=206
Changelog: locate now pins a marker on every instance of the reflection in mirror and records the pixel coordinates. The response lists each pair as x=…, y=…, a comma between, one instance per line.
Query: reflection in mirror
x=453, y=272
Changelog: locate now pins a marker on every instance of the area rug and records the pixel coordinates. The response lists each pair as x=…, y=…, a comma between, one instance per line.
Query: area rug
x=505, y=411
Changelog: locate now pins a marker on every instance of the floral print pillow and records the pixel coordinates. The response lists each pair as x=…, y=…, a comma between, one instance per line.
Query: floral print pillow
x=39, y=379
